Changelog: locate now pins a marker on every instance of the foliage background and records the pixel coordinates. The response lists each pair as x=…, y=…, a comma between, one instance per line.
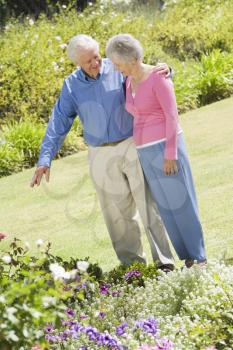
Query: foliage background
x=194, y=37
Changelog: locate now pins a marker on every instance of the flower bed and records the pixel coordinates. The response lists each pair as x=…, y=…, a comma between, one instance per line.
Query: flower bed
x=49, y=303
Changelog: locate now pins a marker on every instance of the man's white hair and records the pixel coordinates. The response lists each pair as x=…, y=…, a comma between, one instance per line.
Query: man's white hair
x=77, y=44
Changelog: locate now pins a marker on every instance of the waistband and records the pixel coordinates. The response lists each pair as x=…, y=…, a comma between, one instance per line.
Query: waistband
x=114, y=143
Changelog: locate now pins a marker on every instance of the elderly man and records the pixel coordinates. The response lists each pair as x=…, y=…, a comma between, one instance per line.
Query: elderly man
x=95, y=92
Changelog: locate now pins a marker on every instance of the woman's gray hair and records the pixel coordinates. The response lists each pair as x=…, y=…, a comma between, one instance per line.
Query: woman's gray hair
x=124, y=47
x=78, y=43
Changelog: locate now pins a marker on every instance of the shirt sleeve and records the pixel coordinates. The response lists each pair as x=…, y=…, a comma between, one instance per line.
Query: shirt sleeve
x=165, y=94
x=60, y=122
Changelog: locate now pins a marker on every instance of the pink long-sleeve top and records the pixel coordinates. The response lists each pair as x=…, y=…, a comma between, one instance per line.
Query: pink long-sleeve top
x=155, y=112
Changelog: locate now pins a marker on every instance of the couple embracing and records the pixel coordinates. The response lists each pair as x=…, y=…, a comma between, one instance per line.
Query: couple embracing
x=136, y=150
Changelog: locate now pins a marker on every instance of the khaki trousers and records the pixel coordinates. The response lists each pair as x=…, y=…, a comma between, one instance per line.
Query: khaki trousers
x=122, y=189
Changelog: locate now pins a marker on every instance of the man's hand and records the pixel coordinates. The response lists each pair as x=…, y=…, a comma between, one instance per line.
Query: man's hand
x=170, y=167
x=40, y=171
x=162, y=68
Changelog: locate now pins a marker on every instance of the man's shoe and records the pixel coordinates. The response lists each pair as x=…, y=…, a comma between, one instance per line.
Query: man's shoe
x=166, y=268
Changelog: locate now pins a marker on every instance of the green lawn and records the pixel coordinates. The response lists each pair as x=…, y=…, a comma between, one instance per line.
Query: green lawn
x=66, y=211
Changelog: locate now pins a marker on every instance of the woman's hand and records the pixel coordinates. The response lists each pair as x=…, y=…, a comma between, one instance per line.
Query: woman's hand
x=170, y=167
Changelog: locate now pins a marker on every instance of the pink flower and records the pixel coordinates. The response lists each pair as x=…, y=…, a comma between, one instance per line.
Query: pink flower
x=2, y=235
x=212, y=347
x=36, y=347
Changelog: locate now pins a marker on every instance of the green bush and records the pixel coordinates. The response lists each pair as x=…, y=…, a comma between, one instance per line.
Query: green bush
x=11, y=160
x=215, y=77
x=33, y=59
x=33, y=62
x=189, y=29
x=25, y=137
x=22, y=145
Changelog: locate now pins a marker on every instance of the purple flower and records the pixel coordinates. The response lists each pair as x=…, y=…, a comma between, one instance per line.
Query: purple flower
x=120, y=330
x=132, y=273
x=70, y=312
x=77, y=327
x=83, y=317
x=68, y=323
x=52, y=338
x=104, y=288
x=92, y=333
x=115, y=293
x=164, y=344
x=102, y=314
x=161, y=344
x=49, y=328
x=82, y=286
x=150, y=326
x=106, y=339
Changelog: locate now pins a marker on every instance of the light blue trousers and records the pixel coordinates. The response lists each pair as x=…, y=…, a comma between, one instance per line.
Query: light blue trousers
x=176, y=199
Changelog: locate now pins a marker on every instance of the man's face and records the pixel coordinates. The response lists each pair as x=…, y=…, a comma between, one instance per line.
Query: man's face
x=90, y=61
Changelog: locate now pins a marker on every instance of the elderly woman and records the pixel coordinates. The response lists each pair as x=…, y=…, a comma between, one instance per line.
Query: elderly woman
x=160, y=145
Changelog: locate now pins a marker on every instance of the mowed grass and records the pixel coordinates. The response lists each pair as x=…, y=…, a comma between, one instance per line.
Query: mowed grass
x=66, y=211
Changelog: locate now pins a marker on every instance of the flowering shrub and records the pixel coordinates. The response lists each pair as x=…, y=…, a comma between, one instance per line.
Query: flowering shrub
x=192, y=308
x=135, y=273
x=37, y=290
x=48, y=303
x=77, y=334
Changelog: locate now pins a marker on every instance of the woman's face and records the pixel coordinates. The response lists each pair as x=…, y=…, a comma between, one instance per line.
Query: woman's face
x=121, y=66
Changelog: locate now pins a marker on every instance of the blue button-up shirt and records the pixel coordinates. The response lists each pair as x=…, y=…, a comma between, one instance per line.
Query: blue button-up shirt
x=100, y=105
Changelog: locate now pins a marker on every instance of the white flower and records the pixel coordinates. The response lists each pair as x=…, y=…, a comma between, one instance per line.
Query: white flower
x=73, y=274
x=63, y=46
x=36, y=313
x=12, y=336
x=64, y=6
x=6, y=259
x=10, y=315
x=25, y=307
x=2, y=299
x=31, y=22
x=55, y=65
x=92, y=287
x=38, y=334
x=57, y=37
x=47, y=301
x=25, y=333
x=39, y=242
x=57, y=271
x=66, y=275
x=27, y=245
x=82, y=265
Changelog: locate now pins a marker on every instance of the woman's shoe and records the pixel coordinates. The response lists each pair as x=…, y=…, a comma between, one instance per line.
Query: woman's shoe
x=189, y=263
x=202, y=263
